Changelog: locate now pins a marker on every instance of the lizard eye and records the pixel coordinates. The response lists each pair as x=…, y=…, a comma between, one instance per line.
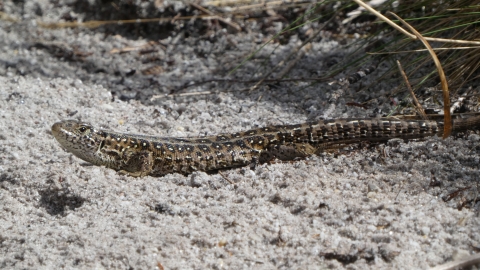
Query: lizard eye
x=82, y=129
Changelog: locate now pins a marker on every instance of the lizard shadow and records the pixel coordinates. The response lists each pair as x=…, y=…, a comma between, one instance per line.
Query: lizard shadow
x=59, y=201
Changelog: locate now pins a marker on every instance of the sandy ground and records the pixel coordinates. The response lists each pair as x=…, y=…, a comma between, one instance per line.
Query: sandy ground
x=366, y=207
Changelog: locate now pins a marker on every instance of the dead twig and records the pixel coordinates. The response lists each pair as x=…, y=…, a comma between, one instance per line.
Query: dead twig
x=462, y=263
x=415, y=100
x=226, y=178
x=225, y=21
x=447, y=128
x=394, y=25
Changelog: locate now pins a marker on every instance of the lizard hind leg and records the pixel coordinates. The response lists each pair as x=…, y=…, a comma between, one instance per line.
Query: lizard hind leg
x=137, y=164
x=289, y=151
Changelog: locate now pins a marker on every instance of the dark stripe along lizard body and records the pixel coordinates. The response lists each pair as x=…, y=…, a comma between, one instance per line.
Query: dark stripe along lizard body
x=140, y=155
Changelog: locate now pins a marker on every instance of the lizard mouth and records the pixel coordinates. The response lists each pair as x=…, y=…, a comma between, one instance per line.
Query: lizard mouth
x=56, y=129
x=61, y=133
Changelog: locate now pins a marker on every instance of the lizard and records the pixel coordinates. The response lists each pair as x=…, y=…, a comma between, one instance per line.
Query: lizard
x=141, y=155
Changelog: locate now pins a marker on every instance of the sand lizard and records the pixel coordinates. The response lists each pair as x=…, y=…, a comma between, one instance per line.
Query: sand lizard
x=140, y=155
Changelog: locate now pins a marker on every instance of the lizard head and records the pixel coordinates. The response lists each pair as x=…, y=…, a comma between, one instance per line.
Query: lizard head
x=79, y=138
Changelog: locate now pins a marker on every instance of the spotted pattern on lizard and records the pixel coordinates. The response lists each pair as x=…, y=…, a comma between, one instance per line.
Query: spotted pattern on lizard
x=141, y=155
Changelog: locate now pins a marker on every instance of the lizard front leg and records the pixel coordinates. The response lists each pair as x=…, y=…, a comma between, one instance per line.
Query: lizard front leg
x=137, y=164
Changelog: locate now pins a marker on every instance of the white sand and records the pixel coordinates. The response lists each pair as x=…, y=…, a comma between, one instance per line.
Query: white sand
x=357, y=209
